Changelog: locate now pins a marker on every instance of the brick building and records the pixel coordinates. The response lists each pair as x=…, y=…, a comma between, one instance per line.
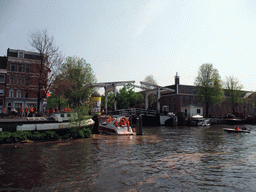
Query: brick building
x=19, y=77
x=184, y=95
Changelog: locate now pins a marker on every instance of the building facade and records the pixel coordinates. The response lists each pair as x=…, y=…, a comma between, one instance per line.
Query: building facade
x=184, y=95
x=20, y=74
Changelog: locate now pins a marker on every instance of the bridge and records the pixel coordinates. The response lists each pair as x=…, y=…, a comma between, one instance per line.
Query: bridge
x=111, y=86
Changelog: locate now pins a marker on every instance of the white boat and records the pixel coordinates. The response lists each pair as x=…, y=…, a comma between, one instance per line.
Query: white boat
x=59, y=120
x=118, y=125
x=204, y=122
x=199, y=121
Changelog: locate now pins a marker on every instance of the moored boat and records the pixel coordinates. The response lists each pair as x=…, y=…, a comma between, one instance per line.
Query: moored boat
x=60, y=120
x=237, y=130
x=118, y=125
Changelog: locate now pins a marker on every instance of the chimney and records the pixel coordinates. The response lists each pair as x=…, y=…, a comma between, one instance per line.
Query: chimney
x=177, y=82
x=177, y=79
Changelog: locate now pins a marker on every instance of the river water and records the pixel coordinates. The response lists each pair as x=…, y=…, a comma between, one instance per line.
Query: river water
x=162, y=159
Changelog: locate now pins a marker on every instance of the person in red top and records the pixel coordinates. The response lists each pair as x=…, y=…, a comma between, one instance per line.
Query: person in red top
x=31, y=110
x=21, y=111
x=26, y=111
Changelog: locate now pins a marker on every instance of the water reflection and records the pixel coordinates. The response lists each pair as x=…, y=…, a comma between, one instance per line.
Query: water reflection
x=162, y=159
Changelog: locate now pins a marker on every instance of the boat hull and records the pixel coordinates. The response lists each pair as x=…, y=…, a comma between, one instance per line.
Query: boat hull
x=115, y=131
x=236, y=131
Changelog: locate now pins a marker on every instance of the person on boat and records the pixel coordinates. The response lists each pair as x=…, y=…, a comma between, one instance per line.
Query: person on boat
x=237, y=128
x=244, y=128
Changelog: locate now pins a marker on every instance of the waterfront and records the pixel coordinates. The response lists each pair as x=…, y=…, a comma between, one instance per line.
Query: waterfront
x=162, y=159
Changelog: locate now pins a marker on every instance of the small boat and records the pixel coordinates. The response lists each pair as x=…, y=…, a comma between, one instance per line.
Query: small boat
x=118, y=125
x=235, y=130
x=198, y=120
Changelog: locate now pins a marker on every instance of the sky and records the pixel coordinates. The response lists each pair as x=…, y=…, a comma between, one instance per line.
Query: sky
x=127, y=40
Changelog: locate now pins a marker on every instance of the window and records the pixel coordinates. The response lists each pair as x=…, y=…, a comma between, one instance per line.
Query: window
x=26, y=95
x=12, y=67
x=186, y=112
x=198, y=111
x=1, y=92
x=12, y=80
x=11, y=93
x=21, y=55
x=9, y=107
x=18, y=94
x=27, y=69
x=19, y=80
x=1, y=78
x=27, y=81
x=20, y=68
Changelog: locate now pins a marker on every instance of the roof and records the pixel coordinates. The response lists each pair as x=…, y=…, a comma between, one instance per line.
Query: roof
x=3, y=62
x=96, y=94
x=183, y=89
x=191, y=105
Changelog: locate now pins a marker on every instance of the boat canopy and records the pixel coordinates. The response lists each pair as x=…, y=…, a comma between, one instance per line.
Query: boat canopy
x=197, y=117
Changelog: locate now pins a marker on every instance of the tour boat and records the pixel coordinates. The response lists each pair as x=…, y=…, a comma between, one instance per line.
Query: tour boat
x=118, y=125
x=242, y=130
x=60, y=120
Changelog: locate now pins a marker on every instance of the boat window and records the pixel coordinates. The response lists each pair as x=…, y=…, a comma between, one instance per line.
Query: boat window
x=69, y=115
x=62, y=115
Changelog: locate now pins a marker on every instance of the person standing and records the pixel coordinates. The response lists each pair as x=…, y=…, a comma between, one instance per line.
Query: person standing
x=31, y=110
x=21, y=111
x=26, y=112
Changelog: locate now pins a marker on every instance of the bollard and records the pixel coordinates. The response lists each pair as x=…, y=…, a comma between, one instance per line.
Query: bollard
x=137, y=125
x=139, y=132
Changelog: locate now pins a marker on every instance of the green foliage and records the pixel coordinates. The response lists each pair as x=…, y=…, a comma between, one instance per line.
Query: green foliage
x=5, y=137
x=81, y=133
x=36, y=136
x=81, y=112
x=233, y=93
x=51, y=135
x=125, y=97
x=57, y=100
x=87, y=132
x=74, y=80
x=208, y=86
x=74, y=133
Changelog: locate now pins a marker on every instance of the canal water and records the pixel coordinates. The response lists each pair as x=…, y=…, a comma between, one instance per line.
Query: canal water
x=162, y=159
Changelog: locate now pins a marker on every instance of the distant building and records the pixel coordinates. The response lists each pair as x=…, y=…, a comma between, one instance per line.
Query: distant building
x=3, y=73
x=19, y=77
x=184, y=97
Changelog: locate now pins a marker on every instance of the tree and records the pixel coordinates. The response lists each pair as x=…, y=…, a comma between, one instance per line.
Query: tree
x=57, y=100
x=150, y=79
x=233, y=93
x=50, y=62
x=73, y=81
x=125, y=97
x=208, y=86
x=81, y=112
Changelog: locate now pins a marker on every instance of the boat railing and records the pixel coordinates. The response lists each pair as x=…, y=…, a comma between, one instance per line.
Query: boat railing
x=134, y=112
